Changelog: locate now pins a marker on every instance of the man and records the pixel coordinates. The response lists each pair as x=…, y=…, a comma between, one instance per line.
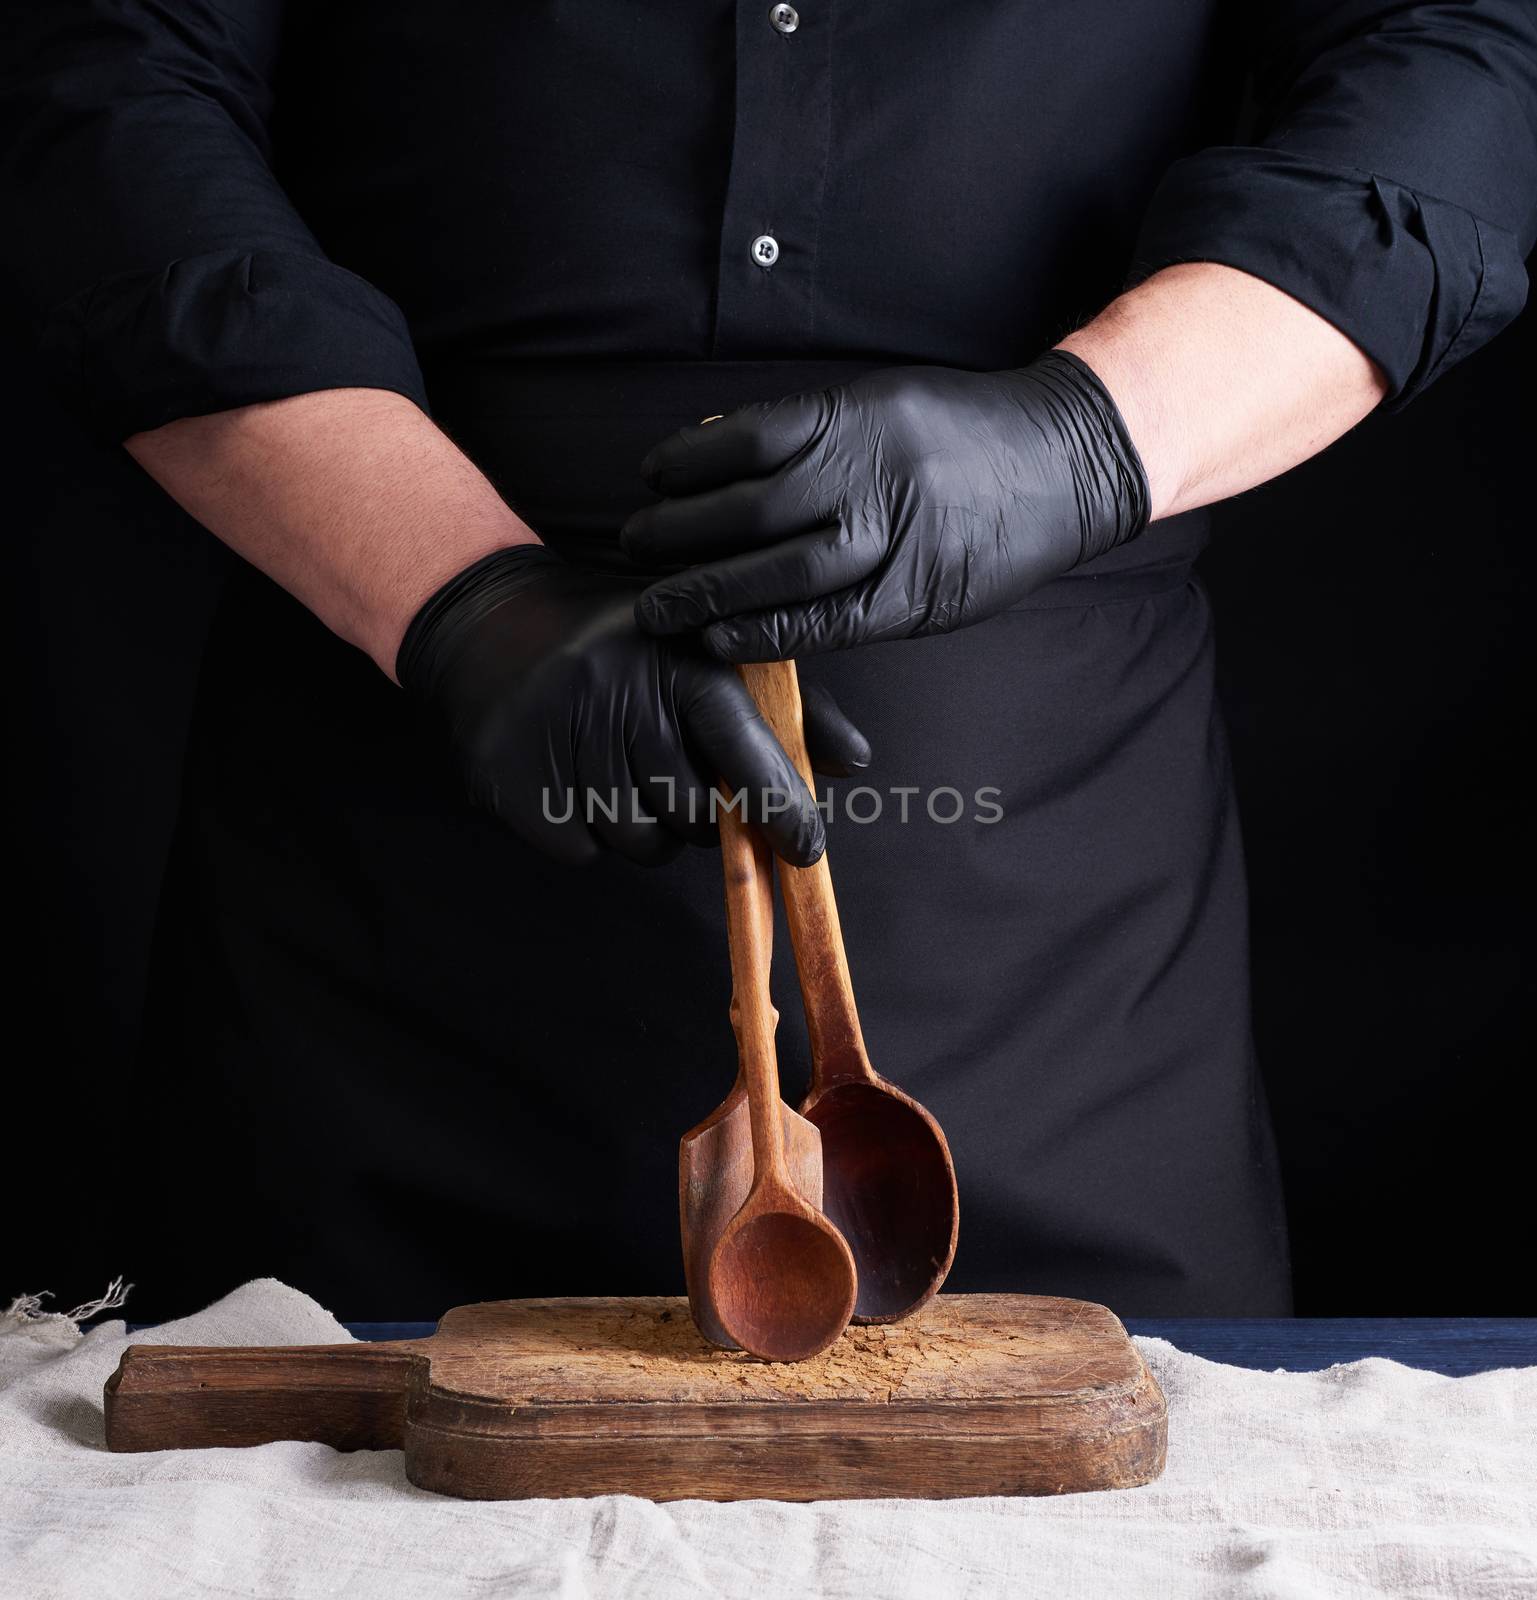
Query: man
x=263, y=243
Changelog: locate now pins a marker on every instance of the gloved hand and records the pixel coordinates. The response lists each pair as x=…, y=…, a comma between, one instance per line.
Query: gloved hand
x=913, y=501
x=549, y=691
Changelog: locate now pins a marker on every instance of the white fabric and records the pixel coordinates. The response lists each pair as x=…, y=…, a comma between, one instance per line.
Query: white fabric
x=1371, y=1479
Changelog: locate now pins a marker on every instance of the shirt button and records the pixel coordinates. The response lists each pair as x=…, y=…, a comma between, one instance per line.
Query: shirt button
x=786, y=18
x=765, y=249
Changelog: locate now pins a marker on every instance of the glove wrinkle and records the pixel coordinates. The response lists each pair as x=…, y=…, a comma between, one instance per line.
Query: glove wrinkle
x=951, y=495
x=552, y=697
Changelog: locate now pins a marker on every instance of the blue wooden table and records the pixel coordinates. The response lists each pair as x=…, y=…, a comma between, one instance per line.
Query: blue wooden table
x=1452, y=1345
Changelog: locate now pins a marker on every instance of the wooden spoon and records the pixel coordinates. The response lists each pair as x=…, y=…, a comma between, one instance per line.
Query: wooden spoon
x=715, y=1166
x=781, y=1278
x=888, y=1180
x=715, y=1159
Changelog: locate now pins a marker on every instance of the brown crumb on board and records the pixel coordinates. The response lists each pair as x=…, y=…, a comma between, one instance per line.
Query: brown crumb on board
x=649, y=1349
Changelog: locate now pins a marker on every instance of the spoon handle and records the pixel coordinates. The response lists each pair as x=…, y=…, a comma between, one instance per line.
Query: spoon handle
x=832, y=1020
x=750, y=934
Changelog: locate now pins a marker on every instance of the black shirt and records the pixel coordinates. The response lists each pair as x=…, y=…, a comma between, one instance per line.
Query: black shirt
x=543, y=218
x=233, y=200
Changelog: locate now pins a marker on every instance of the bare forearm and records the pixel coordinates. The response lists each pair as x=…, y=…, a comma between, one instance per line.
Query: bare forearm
x=351, y=499
x=1223, y=380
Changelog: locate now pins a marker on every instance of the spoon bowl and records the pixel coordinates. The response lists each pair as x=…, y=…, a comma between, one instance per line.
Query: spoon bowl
x=889, y=1188
x=715, y=1173
x=888, y=1180
x=784, y=1284
x=780, y=1281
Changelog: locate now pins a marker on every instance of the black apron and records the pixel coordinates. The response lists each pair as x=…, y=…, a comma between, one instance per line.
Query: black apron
x=401, y=1051
x=412, y=1063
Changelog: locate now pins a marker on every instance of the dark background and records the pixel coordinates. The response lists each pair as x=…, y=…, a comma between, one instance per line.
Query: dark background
x=1375, y=671
x=1374, y=636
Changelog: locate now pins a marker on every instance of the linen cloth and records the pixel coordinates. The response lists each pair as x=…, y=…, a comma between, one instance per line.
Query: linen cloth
x=1369, y=1479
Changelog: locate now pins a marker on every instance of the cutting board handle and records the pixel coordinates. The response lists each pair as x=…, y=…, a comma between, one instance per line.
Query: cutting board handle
x=352, y=1396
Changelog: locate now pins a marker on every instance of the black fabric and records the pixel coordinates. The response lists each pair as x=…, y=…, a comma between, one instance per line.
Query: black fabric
x=212, y=332
x=393, y=1044
x=563, y=441
x=440, y=1065
x=945, y=186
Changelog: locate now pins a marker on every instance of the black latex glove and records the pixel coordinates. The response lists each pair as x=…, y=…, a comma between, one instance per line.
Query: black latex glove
x=548, y=687
x=913, y=501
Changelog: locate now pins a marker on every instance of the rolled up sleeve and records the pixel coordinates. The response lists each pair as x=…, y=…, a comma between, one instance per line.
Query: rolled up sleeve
x=167, y=273
x=1392, y=186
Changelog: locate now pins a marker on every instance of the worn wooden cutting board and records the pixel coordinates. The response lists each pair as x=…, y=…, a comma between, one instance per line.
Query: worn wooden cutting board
x=976, y=1395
